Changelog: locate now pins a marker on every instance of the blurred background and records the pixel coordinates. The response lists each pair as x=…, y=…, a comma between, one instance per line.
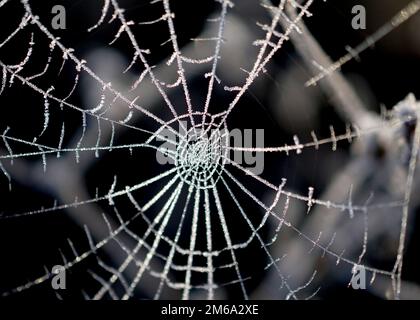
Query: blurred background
x=278, y=102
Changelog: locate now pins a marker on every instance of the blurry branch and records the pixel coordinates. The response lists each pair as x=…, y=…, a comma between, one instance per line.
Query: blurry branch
x=353, y=53
x=347, y=102
x=359, y=171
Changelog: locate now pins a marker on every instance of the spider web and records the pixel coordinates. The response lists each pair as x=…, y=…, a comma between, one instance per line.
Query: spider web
x=178, y=239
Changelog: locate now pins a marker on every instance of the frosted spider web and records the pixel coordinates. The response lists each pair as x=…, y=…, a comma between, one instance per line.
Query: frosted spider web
x=187, y=241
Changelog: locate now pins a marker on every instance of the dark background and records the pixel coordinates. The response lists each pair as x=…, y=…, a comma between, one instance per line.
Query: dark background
x=389, y=70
